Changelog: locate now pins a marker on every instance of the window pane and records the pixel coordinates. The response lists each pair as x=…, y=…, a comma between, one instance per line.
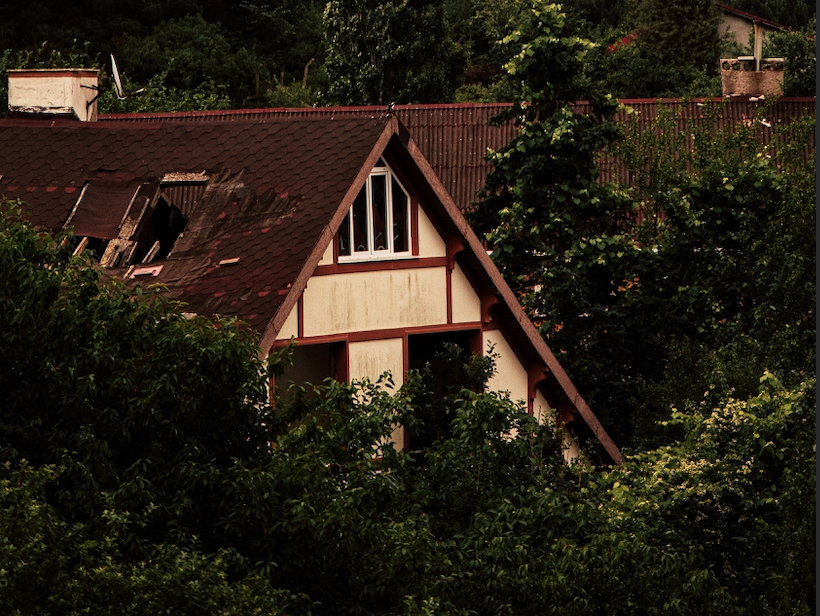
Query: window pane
x=401, y=226
x=360, y=243
x=344, y=236
x=380, y=229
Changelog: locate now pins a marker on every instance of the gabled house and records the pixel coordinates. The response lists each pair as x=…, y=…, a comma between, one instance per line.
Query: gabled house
x=331, y=231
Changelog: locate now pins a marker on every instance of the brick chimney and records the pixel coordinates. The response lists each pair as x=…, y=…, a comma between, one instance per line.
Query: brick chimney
x=54, y=92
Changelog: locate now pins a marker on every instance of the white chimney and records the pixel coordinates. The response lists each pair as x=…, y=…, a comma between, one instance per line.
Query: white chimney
x=54, y=91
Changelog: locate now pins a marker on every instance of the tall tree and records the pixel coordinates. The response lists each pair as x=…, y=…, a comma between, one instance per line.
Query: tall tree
x=560, y=239
x=681, y=32
x=385, y=51
x=632, y=297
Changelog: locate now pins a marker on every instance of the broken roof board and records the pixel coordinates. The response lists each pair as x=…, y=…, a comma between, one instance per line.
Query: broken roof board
x=278, y=190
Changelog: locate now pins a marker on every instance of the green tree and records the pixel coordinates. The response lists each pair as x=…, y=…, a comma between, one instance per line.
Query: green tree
x=561, y=240
x=234, y=508
x=379, y=52
x=683, y=33
x=730, y=279
x=799, y=49
x=191, y=53
x=127, y=396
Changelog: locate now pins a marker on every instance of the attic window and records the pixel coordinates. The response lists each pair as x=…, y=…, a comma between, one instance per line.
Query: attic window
x=378, y=224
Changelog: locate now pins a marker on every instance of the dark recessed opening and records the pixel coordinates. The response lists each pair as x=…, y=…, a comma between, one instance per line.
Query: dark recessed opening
x=442, y=377
x=167, y=222
x=313, y=363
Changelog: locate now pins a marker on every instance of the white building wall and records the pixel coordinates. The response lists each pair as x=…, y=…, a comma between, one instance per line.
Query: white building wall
x=430, y=242
x=290, y=329
x=509, y=375
x=368, y=301
x=466, y=302
x=371, y=358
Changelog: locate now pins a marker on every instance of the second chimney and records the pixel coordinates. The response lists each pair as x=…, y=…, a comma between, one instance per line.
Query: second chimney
x=54, y=92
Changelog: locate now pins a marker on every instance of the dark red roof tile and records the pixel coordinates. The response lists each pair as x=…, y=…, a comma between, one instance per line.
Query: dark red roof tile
x=273, y=188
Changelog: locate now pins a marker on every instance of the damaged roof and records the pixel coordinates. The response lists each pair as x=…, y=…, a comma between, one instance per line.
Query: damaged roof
x=272, y=187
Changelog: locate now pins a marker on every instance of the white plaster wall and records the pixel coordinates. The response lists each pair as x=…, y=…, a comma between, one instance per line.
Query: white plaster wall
x=544, y=414
x=430, y=242
x=572, y=452
x=367, y=301
x=541, y=409
x=327, y=257
x=466, y=303
x=371, y=358
x=509, y=375
x=53, y=91
x=290, y=327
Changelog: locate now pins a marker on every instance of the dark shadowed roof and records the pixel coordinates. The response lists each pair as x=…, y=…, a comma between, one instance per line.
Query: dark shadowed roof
x=274, y=184
x=454, y=138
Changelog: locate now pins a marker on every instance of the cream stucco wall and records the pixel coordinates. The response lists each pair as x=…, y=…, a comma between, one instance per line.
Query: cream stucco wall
x=509, y=375
x=290, y=327
x=430, y=242
x=371, y=358
x=541, y=409
x=543, y=413
x=54, y=91
x=466, y=303
x=367, y=301
x=327, y=257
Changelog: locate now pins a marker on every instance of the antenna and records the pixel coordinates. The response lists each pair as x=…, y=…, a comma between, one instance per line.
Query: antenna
x=115, y=72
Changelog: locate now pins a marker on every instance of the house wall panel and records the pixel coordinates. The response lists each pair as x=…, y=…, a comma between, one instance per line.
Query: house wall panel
x=541, y=409
x=370, y=359
x=290, y=327
x=367, y=301
x=327, y=257
x=466, y=302
x=509, y=375
x=430, y=242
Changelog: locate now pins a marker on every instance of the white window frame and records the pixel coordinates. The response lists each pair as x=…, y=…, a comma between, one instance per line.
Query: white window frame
x=382, y=170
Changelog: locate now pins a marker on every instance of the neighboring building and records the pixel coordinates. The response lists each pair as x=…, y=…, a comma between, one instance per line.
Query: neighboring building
x=332, y=230
x=749, y=75
x=739, y=26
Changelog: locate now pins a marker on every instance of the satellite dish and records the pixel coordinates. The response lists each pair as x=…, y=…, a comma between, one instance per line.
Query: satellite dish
x=115, y=72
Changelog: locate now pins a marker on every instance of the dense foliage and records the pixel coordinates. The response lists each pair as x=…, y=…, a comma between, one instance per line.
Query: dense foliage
x=196, y=54
x=699, y=275
x=384, y=52
x=144, y=472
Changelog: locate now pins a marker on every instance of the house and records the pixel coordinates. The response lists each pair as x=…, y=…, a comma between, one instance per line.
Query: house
x=330, y=230
x=739, y=26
